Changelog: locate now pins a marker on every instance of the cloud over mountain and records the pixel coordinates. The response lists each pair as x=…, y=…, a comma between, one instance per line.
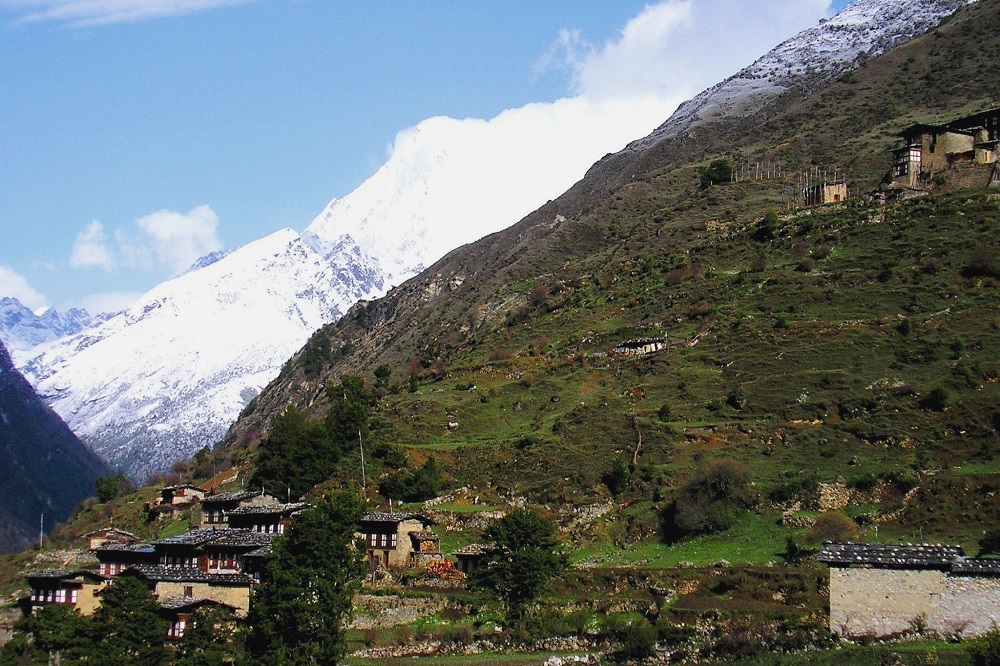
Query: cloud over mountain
x=83, y=13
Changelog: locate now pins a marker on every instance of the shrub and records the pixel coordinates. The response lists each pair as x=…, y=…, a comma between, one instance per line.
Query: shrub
x=833, y=526
x=718, y=172
x=636, y=641
x=937, y=400
x=710, y=501
x=982, y=262
x=985, y=651
x=664, y=413
x=618, y=477
x=989, y=543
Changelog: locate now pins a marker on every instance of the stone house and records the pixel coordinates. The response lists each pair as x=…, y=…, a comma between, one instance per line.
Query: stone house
x=105, y=535
x=76, y=589
x=883, y=590
x=114, y=558
x=265, y=518
x=166, y=583
x=399, y=540
x=215, y=508
x=174, y=500
x=470, y=557
x=930, y=149
x=178, y=610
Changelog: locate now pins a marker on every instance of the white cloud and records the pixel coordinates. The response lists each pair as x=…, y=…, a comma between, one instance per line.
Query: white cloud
x=82, y=13
x=91, y=249
x=16, y=285
x=679, y=47
x=178, y=240
x=163, y=240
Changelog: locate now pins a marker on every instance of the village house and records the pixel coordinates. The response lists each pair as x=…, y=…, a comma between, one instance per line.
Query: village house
x=931, y=149
x=215, y=508
x=266, y=518
x=178, y=610
x=76, y=589
x=232, y=590
x=470, y=557
x=105, y=535
x=174, y=500
x=640, y=347
x=879, y=590
x=116, y=557
x=399, y=540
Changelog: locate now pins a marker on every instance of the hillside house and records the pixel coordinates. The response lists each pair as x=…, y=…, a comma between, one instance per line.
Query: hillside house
x=232, y=590
x=116, y=557
x=825, y=192
x=398, y=540
x=265, y=518
x=930, y=149
x=105, y=535
x=76, y=589
x=215, y=508
x=178, y=610
x=881, y=590
x=640, y=347
x=470, y=557
x=174, y=500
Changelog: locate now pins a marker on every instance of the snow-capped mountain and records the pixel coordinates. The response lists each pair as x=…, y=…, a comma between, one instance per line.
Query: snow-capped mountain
x=863, y=30
x=21, y=329
x=168, y=375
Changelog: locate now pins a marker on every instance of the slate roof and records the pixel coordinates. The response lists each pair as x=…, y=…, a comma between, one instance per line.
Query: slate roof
x=185, y=575
x=243, y=538
x=192, y=538
x=180, y=603
x=61, y=574
x=264, y=509
x=473, y=549
x=922, y=556
x=263, y=551
x=144, y=548
x=232, y=496
x=424, y=536
x=395, y=518
x=976, y=567
x=179, y=486
x=110, y=531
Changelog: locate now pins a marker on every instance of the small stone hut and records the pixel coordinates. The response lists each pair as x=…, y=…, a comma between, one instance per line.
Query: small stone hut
x=879, y=590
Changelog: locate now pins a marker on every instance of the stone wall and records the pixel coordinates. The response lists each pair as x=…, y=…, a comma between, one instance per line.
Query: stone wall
x=236, y=596
x=882, y=602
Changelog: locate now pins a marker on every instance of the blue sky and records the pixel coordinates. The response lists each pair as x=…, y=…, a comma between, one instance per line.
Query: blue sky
x=137, y=134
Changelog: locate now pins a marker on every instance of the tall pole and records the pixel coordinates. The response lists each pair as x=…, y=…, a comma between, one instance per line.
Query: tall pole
x=41, y=529
x=361, y=445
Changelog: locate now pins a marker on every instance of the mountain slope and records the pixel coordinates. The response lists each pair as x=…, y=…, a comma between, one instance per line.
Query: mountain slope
x=467, y=292
x=166, y=377
x=47, y=470
x=788, y=354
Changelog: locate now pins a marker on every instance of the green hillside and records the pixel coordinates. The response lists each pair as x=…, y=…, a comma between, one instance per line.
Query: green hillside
x=854, y=342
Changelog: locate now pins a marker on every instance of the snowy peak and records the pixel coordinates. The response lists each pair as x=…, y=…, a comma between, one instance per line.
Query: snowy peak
x=167, y=376
x=863, y=30
x=21, y=329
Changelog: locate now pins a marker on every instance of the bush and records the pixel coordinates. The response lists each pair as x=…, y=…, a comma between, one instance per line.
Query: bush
x=636, y=642
x=989, y=543
x=664, y=413
x=937, y=400
x=419, y=485
x=985, y=651
x=833, y=526
x=716, y=173
x=710, y=501
x=618, y=477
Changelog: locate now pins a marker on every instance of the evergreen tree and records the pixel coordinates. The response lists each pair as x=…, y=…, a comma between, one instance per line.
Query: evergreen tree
x=127, y=628
x=60, y=632
x=210, y=638
x=524, y=556
x=351, y=406
x=295, y=456
x=299, y=612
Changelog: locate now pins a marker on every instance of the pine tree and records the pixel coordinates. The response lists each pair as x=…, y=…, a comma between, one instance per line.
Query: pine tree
x=524, y=556
x=299, y=613
x=295, y=456
x=127, y=628
x=60, y=632
x=210, y=638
